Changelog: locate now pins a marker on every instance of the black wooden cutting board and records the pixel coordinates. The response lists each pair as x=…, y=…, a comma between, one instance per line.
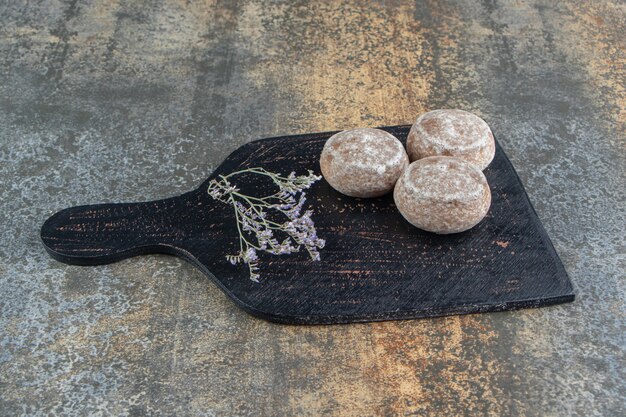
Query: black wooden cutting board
x=375, y=266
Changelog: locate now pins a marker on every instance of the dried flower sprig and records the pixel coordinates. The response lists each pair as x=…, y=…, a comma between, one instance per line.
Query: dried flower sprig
x=261, y=220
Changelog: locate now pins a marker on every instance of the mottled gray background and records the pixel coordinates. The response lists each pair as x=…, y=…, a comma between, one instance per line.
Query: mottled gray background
x=104, y=101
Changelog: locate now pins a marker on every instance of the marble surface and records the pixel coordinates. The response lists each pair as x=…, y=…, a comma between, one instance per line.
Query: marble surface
x=104, y=101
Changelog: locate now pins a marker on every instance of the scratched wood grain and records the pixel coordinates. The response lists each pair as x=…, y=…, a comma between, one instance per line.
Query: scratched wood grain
x=375, y=265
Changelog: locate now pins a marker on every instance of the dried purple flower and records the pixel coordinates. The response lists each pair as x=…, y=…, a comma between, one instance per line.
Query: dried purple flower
x=257, y=230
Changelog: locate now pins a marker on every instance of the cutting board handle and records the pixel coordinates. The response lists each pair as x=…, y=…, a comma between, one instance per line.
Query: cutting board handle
x=105, y=233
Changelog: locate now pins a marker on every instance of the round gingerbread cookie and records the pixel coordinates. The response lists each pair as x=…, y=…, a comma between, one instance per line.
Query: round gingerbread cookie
x=363, y=162
x=442, y=194
x=451, y=133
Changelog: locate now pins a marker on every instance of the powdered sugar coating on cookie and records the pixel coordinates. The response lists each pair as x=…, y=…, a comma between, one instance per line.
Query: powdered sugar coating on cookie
x=442, y=194
x=452, y=133
x=363, y=162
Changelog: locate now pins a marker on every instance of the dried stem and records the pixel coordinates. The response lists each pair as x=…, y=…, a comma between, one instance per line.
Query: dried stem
x=257, y=232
